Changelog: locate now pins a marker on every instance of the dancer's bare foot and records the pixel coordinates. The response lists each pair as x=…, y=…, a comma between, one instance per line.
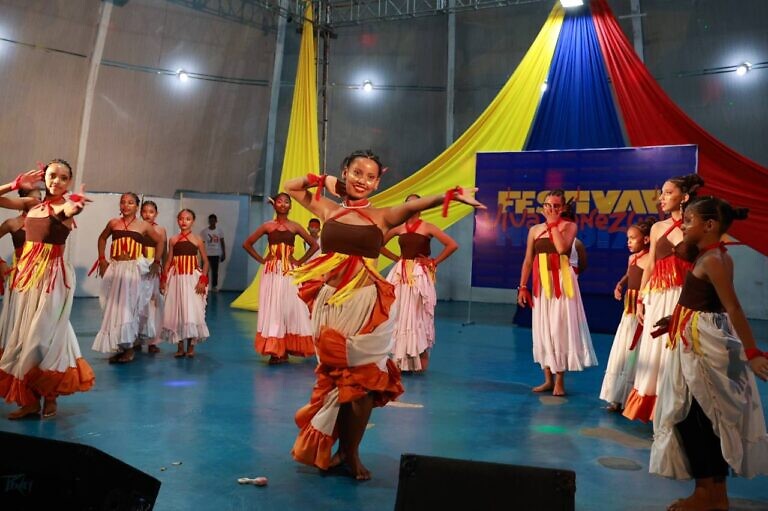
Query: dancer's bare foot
x=31, y=411
x=153, y=349
x=114, y=358
x=49, y=407
x=336, y=460
x=191, y=353
x=357, y=469
x=274, y=360
x=179, y=354
x=544, y=387
x=614, y=407
x=558, y=390
x=702, y=499
x=125, y=357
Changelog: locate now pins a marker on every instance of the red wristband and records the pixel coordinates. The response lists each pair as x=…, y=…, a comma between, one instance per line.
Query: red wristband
x=449, y=196
x=16, y=184
x=754, y=353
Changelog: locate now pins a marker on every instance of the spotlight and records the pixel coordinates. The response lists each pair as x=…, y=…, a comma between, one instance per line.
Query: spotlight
x=182, y=75
x=571, y=3
x=743, y=68
x=544, y=87
x=367, y=86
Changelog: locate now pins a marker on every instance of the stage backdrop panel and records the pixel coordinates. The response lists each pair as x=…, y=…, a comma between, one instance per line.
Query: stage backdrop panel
x=613, y=189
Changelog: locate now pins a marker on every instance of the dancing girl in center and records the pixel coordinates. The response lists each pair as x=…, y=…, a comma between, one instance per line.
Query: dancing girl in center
x=351, y=306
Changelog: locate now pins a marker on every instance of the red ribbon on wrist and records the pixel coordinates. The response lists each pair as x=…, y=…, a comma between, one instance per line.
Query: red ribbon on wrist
x=76, y=197
x=754, y=353
x=449, y=196
x=203, y=280
x=319, y=182
x=17, y=182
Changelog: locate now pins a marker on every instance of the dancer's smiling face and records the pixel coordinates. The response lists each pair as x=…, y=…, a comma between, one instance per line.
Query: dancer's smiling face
x=362, y=177
x=57, y=179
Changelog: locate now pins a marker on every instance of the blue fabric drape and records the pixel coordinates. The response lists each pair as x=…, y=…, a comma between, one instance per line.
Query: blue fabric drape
x=577, y=110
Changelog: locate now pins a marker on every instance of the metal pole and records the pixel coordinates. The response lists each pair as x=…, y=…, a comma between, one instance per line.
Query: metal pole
x=274, y=96
x=637, y=28
x=324, y=85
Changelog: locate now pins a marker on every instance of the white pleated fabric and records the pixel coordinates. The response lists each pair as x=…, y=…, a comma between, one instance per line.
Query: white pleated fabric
x=414, y=331
x=720, y=379
x=561, y=339
x=184, y=310
x=652, y=357
x=120, y=299
x=622, y=363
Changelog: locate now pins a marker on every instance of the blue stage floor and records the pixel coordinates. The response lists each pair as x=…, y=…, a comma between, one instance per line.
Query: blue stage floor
x=200, y=424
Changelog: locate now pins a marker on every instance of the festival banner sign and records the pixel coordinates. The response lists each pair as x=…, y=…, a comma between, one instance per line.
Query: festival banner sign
x=613, y=189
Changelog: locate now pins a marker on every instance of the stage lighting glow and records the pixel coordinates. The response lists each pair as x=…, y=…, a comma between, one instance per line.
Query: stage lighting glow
x=180, y=383
x=743, y=68
x=182, y=75
x=544, y=87
x=571, y=3
x=367, y=86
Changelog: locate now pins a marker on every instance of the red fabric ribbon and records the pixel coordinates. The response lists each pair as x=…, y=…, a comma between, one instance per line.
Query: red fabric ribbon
x=753, y=353
x=449, y=196
x=319, y=182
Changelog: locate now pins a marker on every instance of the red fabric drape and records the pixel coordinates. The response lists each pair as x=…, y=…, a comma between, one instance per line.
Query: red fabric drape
x=651, y=118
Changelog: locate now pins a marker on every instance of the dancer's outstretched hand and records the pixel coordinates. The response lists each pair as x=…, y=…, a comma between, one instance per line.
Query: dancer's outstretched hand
x=76, y=203
x=467, y=197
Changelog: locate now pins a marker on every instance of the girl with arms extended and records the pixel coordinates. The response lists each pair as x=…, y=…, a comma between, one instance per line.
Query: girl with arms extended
x=42, y=357
x=351, y=310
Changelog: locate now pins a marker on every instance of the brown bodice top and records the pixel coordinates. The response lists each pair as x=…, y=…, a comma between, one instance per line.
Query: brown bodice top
x=360, y=240
x=136, y=236
x=544, y=246
x=276, y=237
x=184, y=248
x=634, y=276
x=413, y=245
x=699, y=295
x=47, y=229
x=665, y=248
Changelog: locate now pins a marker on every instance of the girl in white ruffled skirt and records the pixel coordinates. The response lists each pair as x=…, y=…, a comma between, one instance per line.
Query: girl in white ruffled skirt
x=185, y=286
x=151, y=302
x=121, y=290
x=413, y=276
x=709, y=419
x=622, y=362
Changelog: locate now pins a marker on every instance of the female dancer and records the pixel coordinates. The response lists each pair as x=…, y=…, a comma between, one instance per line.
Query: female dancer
x=708, y=413
x=350, y=305
x=414, y=279
x=151, y=307
x=14, y=226
x=670, y=259
x=283, y=326
x=561, y=340
x=42, y=357
x=620, y=370
x=121, y=289
x=185, y=286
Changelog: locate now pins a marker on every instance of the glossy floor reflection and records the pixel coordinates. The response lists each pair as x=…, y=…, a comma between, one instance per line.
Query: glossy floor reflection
x=226, y=415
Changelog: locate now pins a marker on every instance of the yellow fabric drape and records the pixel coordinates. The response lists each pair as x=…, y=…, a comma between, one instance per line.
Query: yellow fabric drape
x=503, y=126
x=302, y=149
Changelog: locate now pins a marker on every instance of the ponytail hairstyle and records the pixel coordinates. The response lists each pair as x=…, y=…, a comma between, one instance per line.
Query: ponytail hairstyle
x=66, y=164
x=188, y=211
x=719, y=210
x=688, y=184
x=366, y=153
x=644, y=227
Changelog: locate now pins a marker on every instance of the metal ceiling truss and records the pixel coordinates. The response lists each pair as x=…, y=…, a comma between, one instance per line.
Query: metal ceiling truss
x=354, y=12
x=341, y=12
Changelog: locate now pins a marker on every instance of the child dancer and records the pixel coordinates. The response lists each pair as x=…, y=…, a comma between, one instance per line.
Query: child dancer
x=185, y=284
x=352, y=314
x=561, y=340
x=620, y=371
x=151, y=307
x=283, y=325
x=121, y=289
x=42, y=357
x=414, y=279
x=709, y=418
x=669, y=260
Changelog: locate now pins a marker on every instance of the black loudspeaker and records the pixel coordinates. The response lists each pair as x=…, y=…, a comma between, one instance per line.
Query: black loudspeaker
x=38, y=473
x=428, y=482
